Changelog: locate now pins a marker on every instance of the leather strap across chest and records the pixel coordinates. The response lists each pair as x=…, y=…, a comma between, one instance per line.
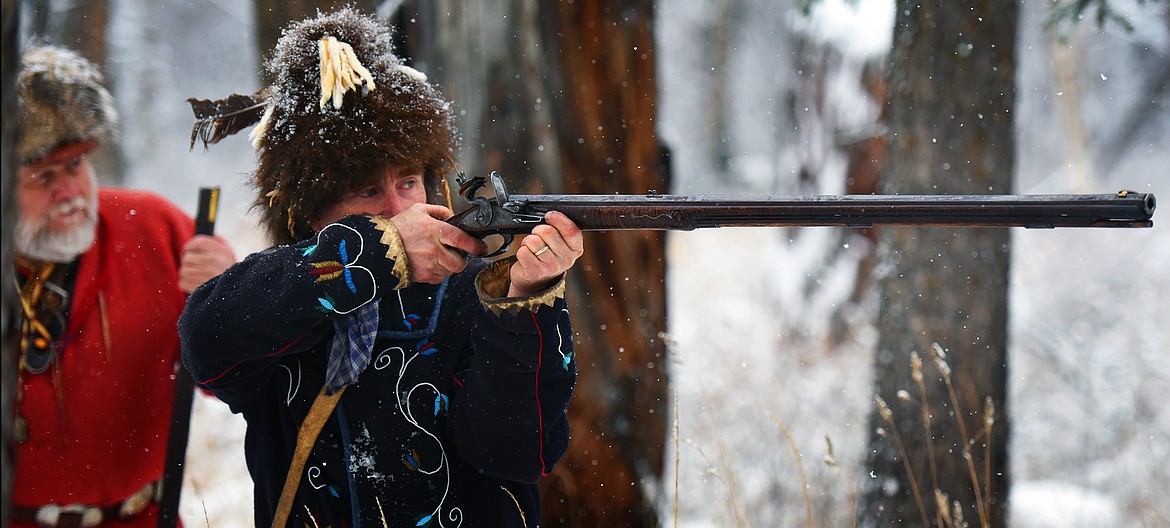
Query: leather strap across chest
x=318, y=414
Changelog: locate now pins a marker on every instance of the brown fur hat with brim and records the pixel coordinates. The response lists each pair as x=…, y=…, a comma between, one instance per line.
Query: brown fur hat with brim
x=341, y=110
x=64, y=111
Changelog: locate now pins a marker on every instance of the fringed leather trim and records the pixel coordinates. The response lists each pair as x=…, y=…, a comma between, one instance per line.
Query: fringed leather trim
x=394, y=250
x=492, y=285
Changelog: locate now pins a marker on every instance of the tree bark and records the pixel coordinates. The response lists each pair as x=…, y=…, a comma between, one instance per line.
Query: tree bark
x=80, y=27
x=951, y=108
x=602, y=83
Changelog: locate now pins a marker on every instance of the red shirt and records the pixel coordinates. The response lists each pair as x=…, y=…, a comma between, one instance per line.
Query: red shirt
x=117, y=365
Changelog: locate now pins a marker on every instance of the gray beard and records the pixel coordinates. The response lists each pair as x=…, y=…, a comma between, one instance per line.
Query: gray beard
x=37, y=242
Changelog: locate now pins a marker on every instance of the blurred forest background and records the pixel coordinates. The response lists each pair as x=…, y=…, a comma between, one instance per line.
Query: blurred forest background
x=728, y=377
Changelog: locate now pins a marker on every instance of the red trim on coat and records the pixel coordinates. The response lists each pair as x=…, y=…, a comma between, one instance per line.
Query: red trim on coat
x=539, y=412
x=277, y=353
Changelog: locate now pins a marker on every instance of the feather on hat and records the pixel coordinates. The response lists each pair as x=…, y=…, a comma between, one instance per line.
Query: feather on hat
x=62, y=104
x=342, y=109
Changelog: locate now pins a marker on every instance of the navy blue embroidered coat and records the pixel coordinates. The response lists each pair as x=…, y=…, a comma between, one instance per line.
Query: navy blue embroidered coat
x=460, y=410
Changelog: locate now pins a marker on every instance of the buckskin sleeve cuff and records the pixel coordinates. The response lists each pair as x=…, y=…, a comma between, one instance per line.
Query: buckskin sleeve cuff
x=492, y=286
x=395, y=251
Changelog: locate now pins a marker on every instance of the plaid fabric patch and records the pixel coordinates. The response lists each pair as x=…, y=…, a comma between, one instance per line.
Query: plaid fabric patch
x=353, y=344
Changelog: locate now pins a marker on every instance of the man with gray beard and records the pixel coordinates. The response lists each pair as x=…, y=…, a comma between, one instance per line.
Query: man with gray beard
x=102, y=276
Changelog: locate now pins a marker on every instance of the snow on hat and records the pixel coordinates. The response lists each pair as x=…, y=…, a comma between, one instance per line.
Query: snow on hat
x=63, y=106
x=342, y=109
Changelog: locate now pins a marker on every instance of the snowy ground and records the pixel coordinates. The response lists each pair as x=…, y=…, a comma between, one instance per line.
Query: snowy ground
x=217, y=491
x=739, y=383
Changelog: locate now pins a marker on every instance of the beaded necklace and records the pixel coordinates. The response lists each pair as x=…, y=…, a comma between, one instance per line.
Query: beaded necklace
x=44, y=303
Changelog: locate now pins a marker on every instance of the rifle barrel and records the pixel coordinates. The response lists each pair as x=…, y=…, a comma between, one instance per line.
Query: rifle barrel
x=676, y=212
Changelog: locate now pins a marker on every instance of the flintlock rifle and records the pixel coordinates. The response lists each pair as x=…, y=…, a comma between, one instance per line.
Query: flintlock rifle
x=507, y=214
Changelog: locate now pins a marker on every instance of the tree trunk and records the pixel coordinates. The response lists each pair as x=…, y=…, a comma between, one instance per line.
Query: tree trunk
x=80, y=26
x=10, y=35
x=602, y=82
x=561, y=99
x=951, y=131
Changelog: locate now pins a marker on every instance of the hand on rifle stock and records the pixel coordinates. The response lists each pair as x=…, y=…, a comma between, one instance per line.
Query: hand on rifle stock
x=203, y=257
x=434, y=248
x=546, y=254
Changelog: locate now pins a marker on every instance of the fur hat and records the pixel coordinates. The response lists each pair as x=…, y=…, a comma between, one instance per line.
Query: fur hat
x=62, y=104
x=342, y=108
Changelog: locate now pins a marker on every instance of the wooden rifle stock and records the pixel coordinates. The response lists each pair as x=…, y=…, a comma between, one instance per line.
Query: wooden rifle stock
x=509, y=215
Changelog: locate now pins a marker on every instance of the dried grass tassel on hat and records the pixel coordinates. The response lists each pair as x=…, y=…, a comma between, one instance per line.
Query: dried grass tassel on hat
x=341, y=71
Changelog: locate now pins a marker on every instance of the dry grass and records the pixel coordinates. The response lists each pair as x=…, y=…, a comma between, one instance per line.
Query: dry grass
x=947, y=516
x=799, y=465
x=723, y=474
x=948, y=513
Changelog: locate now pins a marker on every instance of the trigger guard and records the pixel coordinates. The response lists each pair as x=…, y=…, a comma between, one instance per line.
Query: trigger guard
x=500, y=250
